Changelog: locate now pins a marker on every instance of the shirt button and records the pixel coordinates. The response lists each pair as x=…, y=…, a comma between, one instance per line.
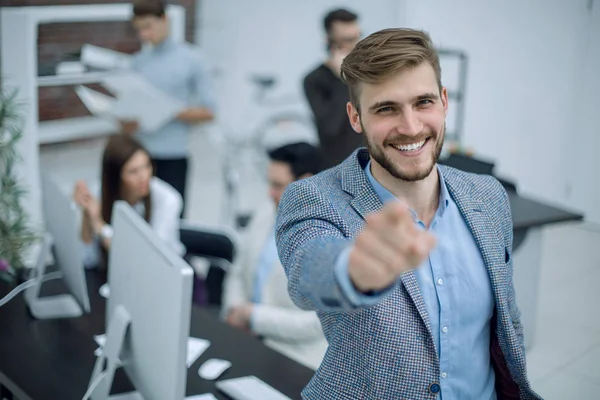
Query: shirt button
x=445, y=329
x=440, y=281
x=444, y=375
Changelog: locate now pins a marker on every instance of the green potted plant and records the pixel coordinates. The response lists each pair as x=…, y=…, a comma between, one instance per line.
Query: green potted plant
x=16, y=234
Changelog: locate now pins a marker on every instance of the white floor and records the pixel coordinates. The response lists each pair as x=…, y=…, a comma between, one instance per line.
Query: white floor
x=564, y=362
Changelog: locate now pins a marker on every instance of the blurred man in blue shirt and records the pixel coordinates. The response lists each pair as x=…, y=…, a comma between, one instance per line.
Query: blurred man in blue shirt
x=179, y=70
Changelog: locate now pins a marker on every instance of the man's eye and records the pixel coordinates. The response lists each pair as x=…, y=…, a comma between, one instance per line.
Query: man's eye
x=424, y=102
x=384, y=109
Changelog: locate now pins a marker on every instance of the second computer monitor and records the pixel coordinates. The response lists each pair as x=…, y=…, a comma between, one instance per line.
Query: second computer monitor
x=63, y=237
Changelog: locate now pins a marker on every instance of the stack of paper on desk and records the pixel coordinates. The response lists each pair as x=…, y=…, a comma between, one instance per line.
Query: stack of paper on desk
x=136, y=99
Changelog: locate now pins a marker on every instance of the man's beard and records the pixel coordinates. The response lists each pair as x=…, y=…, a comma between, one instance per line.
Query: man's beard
x=409, y=176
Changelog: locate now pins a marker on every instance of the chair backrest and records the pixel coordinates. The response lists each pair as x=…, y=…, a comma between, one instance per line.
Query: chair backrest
x=216, y=244
x=208, y=244
x=469, y=164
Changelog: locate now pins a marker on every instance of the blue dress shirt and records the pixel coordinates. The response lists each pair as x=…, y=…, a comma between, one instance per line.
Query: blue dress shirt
x=181, y=72
x=457, y=291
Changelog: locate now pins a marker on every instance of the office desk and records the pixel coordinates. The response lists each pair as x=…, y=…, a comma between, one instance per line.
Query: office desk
x=529, y=218
x=528, y=213
x=54, y=359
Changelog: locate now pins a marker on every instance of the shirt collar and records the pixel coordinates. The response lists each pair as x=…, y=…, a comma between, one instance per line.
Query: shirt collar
x=165, y=44
x=386, y=196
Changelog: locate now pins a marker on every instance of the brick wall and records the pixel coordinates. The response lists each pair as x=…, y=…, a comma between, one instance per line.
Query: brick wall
x=61, y=41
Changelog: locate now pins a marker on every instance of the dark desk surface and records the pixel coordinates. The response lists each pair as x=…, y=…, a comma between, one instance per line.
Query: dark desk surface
x=54, y=359
x=528, y=213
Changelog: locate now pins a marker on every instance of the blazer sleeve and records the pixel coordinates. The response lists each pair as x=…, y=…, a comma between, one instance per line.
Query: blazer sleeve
x=309, y=242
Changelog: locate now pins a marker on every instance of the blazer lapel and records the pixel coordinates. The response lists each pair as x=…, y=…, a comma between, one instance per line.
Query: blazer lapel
x=355, y=182
x=409, y=280
x=365, y=201
x=478, y=218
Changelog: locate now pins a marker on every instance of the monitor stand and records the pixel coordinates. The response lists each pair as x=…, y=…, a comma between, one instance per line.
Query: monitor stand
x=108, y=361
x=51, y=307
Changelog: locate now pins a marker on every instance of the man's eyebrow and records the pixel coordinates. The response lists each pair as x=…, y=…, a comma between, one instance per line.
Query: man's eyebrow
x=391, y=103
x=426, y=96
x=381, y=104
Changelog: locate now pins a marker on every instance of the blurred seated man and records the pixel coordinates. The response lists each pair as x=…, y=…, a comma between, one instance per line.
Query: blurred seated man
x=255, y=297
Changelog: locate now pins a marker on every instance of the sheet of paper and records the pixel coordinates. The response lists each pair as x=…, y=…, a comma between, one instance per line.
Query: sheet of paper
x=136, y=99
x=152, y=107
x=100, y=340
x=98, y=103
x=125, y=82
x=196, y=347
x=101, y=58
x=206, y=396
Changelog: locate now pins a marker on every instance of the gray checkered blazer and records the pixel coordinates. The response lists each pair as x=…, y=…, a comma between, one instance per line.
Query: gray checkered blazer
x=387, y=351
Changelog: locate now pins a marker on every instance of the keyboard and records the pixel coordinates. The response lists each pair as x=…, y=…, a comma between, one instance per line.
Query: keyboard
x=249, y=388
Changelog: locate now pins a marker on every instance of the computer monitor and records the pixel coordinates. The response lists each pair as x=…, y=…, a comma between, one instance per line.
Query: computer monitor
x=148, y=312
x=63, y=240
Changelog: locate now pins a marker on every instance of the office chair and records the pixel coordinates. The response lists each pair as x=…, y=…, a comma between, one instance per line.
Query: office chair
x=509, y=186
x=215, y=244
x=468, y=164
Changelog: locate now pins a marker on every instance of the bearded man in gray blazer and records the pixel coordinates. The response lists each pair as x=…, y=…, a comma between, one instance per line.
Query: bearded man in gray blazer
x=407, y=263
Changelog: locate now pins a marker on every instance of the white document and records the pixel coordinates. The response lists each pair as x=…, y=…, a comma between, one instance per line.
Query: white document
x=195, y=348
x=98, y=103
x=207, y=396
x=127, y=82
x=101, y=58
x=136, y=99
x=100, y=340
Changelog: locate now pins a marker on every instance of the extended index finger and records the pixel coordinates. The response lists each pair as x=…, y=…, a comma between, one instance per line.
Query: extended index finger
x=396, y=211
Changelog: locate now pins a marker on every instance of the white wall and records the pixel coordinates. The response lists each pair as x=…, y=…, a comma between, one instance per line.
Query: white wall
x=584, y=160
x=283, y=38
x=522, y=108
x=529, y=102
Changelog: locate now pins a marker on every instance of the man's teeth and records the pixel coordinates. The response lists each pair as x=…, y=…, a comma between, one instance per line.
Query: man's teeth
x=411, y=147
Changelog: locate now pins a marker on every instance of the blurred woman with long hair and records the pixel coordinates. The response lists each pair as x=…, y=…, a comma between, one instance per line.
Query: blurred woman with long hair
x=126, y=175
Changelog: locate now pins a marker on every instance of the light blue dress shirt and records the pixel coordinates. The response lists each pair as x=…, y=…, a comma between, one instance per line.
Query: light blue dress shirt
x=179, y=70
x=268, y=258
x=458, y=295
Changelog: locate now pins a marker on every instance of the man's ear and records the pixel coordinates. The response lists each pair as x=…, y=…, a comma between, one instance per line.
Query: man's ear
x=354, y=117
x=444, y=97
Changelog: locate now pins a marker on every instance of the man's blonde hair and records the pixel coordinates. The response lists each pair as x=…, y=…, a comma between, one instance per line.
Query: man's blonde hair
x=385, y=53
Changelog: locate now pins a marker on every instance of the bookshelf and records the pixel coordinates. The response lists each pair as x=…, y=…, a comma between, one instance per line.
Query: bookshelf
x=19, y=69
